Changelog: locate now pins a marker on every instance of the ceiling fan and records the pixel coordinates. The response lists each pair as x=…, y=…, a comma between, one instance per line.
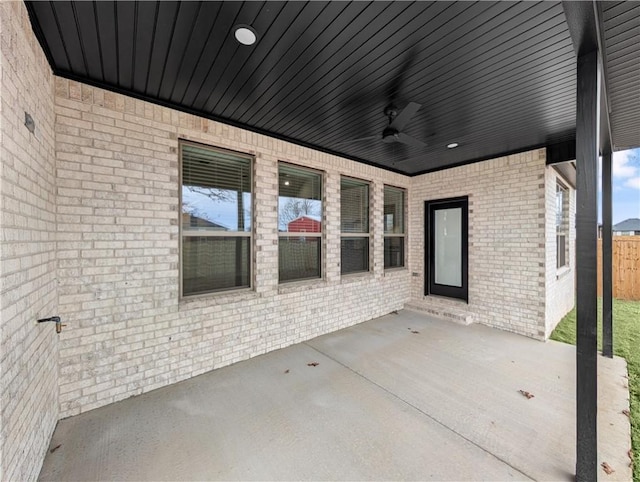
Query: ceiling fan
x=397, y=122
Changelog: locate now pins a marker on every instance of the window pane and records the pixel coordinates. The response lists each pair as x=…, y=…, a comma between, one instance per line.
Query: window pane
x=562, y=225
x=561, y=251
x=354, y=206
x=354, y=254
x=299, y=258
x=216, y=190
x=447, y=238
x=300, y=200
x=559, y=206
x=215, y=263
x=448, y=247
x=393, y=210
x=394, y=252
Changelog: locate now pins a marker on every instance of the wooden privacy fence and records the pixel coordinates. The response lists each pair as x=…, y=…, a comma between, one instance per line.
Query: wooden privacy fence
x=626, y=267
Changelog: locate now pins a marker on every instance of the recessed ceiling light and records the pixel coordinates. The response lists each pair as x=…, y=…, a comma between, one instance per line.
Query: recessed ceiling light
x=286, y=183
x=245, y=35
x=453, y=145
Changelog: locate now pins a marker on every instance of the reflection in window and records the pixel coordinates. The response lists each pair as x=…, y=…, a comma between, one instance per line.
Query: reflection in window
x=299, y=211
x=216, y=219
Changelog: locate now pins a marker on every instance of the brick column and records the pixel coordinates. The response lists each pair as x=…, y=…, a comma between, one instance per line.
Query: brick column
x=265, y=219
x=331, y=227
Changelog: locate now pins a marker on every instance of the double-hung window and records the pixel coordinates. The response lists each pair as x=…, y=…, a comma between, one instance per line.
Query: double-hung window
x=354, y=225
x=299, y=223
x=562, y=225
x=394, y=227
x=216, y=209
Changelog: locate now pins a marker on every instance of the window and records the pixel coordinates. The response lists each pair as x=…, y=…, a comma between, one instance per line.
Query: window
x=394, y=199
x=216, y=220
x=354, y=226
x=299, y=223
x=447, y=248
x=562, y=225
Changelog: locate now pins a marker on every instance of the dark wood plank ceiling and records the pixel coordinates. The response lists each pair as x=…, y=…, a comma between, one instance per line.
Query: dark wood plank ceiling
x=495, y=77
x=622, y=45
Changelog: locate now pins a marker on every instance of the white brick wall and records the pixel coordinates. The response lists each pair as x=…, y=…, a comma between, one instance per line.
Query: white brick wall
x=28, y=352
x=560, y=284
x=506, y=241
x=118, y=253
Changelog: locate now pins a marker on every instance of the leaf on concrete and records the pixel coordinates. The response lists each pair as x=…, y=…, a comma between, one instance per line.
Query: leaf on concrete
x=607, y=468
x=313, y=364
x=287, y=370
x=626, y=412
x=55, y=448
x=527, y=394
x=415, y=332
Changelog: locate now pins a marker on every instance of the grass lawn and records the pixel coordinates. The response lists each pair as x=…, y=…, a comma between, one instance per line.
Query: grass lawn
x=626, y=343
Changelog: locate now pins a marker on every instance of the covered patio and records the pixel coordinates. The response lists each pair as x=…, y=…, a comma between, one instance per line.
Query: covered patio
x=154, y=156
x=402, y=397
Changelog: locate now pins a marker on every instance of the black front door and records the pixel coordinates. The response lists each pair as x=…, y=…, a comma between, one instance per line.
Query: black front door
x=447, y=245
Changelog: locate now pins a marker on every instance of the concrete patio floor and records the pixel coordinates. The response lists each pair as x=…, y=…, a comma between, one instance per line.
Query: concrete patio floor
x=383, y=403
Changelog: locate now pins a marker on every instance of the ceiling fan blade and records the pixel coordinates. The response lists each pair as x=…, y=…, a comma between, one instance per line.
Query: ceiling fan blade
x=396, y=86
x=361, y=139
x=403, y=118
x=411, y=141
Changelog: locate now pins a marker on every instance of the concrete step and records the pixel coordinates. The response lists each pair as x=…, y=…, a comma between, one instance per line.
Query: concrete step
x=448, y=313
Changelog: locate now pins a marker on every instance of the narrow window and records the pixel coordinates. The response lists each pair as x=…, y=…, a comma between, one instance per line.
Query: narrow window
x=562, y=226
x=354, y=226
x=447, y=235
x=216, y=229
x=299, y=223
x=394, y=231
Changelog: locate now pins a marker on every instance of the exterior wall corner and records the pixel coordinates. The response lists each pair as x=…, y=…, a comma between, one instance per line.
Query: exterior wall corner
x=559, y=283
x=506, y=242
x=29, y=351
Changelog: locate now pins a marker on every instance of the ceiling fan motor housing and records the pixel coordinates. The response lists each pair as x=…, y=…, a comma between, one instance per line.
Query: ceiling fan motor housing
x=390, y=135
